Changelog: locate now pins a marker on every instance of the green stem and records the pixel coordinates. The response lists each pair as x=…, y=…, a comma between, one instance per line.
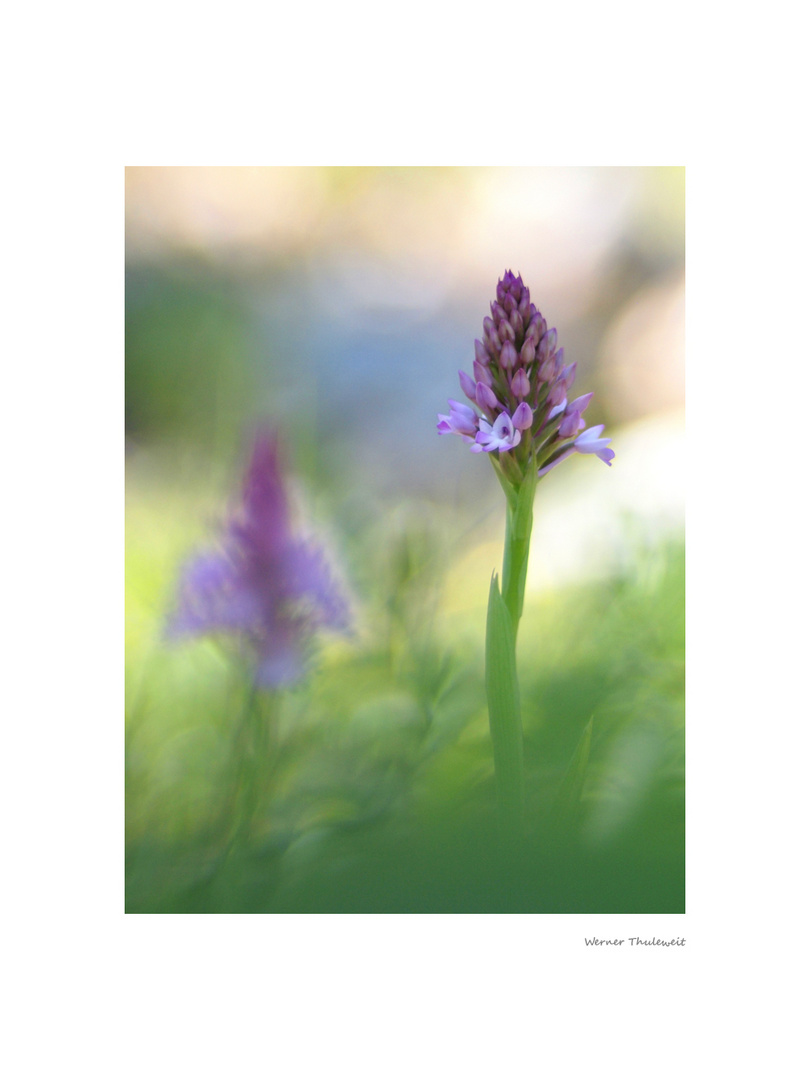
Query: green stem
x=519, y=519
x=503, y=618
x=254, y=764
x=506, y=729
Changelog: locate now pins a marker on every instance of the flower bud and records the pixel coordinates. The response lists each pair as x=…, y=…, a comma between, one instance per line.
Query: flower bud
x=556, y=394
x=508, y=356
x=520, y=384
x=548, y=369
x=482, y=373
x=534, y=330
x=523, y=417
x=527, y=352
x=570, y=424
x=505, y=331
x=484, y=397
x=467, y=385
x=581, y=403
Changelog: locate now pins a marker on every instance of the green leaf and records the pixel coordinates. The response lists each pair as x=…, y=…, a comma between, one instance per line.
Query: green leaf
x=566, y=802
x=503, y=698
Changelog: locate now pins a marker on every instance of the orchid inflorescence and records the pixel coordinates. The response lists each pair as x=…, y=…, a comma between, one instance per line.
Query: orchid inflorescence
x=266, y=585
x=520, y=386
x=521, y=416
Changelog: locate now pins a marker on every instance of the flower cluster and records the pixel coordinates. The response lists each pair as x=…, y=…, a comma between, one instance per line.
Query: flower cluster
x=266, y=585
x=520, y=388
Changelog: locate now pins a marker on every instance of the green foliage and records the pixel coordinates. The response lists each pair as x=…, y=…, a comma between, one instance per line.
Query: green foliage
x=567, y=803
x=378, y=790
x=190, y=357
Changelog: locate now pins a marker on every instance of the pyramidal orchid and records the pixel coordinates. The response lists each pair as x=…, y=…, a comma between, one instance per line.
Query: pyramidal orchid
x=265, y=585
x=520, y=392
x=522, y=416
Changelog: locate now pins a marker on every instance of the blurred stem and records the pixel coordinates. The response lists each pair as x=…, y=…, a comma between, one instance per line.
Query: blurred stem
x=254, y=764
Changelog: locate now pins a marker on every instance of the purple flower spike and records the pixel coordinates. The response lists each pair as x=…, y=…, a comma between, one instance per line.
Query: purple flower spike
x=518, y=366
x=265, y=585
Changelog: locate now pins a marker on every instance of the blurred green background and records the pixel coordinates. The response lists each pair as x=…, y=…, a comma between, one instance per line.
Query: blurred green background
x=339, y=303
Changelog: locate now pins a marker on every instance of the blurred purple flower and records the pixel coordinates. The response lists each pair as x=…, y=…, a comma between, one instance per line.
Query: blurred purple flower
x=520, y=385
x=269, y=587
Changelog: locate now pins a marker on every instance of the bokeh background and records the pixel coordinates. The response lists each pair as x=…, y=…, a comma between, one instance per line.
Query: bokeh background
x=339, y=303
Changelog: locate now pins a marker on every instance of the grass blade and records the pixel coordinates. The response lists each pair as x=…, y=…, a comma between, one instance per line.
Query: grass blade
x=566, y=802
